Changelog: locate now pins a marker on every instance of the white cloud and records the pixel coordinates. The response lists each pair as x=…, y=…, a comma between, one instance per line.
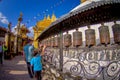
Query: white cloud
x=3, y=19
x=31, y=34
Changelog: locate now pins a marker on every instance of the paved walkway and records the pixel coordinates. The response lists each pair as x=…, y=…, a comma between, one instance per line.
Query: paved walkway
x=14, y=69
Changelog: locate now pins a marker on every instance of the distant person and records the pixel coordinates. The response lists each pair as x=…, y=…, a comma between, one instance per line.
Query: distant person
x=36, y=62
x=5, y=51
x=1, y=53
x=28, y=54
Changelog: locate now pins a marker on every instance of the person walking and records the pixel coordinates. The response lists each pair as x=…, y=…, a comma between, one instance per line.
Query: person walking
x=36, y=62
x=28, y=54
x=1, y=53
x=5, y=51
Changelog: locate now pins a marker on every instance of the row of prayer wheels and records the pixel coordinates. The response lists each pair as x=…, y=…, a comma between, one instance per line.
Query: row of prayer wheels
x=89, y=36
x=54, y=41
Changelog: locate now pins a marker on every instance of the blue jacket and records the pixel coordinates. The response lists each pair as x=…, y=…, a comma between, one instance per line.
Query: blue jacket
x=28, y=52
x=36, y=63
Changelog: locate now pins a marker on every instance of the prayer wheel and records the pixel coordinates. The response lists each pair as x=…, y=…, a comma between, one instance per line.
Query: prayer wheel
x=67, y=40
x=116, y=32
x=49, y=42
x=90, y=37
x=42, y=42
x=57, y=41
x=46, y=42
x=104, y=34
x=52, y=42
x=77, y=38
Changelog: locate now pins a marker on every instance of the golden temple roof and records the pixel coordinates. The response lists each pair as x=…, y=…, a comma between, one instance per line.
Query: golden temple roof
x=53, y=18
x=42, y=24
x=23, y=28
x=83, y=1
x=48, y=17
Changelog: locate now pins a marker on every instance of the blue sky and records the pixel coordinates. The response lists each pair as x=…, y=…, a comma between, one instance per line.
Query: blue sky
x=33, y=10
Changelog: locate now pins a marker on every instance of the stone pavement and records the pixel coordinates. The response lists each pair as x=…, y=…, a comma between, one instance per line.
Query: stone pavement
x=14, y=69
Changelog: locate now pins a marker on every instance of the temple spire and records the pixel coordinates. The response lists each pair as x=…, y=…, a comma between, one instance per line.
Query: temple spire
x=45, y=17
x=53, y=18
x=82, y=1
x=48, y=17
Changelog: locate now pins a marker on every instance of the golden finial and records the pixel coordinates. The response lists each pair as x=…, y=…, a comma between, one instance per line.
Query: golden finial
x=9, y=26
x=20, y=18
x=82, y=1
x=53, y=17
x=21, y=14
x=48, y=17
x=45, y=17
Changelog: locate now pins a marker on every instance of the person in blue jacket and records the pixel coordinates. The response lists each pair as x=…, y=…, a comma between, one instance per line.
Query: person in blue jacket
x=36, y=62
x=28, y=54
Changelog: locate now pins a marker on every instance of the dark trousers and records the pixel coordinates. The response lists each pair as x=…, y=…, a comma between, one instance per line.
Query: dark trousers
x=1, y=60
x=5, y=55
x=38, y=75
x=30, y=70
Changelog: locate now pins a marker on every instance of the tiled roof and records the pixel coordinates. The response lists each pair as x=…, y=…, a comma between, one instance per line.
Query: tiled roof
x=3, y=29
x=80, y=9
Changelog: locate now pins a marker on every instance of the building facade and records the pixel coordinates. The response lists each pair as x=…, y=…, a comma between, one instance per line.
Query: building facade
x=3, y=31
